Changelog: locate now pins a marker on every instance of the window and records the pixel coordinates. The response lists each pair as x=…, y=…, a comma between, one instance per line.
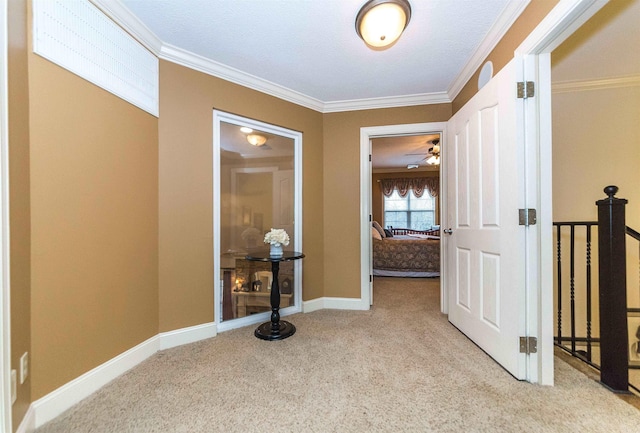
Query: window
x=410, y=211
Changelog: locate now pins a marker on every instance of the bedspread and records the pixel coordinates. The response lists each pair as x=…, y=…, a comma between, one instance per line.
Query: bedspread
x=406, y=253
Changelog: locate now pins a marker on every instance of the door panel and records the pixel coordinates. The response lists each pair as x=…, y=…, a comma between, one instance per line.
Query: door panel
x=486, y=248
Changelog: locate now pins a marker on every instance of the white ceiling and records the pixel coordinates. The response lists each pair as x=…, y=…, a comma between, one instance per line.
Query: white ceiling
x=309, y=49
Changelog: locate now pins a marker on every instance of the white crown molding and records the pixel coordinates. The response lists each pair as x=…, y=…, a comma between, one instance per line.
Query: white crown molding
x=386, y=102
x=210, y=67
x=600, y=84
x=504, y=22
x=122, y=16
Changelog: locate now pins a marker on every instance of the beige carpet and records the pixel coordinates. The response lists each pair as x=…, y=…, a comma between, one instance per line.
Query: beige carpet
x=397, y=368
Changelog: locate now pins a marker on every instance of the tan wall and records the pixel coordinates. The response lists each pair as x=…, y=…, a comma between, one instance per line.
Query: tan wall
x=94, y=216
x=377, y=200
x=503, y=52
x=187, y=100
x=19, y=198
x=342, y=187
x=595, y=144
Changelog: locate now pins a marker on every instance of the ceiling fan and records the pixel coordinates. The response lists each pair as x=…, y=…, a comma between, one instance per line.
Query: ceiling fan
x=432, y=157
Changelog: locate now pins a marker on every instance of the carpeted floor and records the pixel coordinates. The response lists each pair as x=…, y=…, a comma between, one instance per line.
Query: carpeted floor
x=400, y=367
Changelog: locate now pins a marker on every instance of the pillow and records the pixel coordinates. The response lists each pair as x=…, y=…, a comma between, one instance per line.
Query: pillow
x=388, y=233
x=379, y=228
x=375, y=233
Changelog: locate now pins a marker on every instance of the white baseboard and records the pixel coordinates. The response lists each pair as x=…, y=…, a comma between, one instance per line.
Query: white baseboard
x=53, y=404
x=333, y=304
x=28, y=424
x=71, y=393
x=187, y=335
x=313, y=305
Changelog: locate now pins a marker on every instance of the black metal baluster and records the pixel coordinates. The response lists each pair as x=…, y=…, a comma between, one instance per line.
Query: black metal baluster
x=573, y=290
x=559, y=261
x=588, y=228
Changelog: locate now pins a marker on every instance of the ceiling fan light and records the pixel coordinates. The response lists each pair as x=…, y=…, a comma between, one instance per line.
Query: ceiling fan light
x=381, y=22
x=433, y=160
x=256, y=139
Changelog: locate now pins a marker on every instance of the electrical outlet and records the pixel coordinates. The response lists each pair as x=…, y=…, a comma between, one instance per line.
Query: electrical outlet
x=14, y=387
x=24, y=367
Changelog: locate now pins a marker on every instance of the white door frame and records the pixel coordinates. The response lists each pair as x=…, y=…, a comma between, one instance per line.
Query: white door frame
x=5, y=323
x=366, y=134
x=565, y=18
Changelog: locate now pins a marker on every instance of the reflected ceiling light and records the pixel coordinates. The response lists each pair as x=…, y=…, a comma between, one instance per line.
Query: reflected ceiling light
x=410, y=166
x=381, y=22
x=246, y=130
x=256, y=139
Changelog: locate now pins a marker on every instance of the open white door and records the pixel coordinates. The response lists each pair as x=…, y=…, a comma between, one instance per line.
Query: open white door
x=486, y=245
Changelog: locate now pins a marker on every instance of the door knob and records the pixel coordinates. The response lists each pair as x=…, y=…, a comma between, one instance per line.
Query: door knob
x=448, y=231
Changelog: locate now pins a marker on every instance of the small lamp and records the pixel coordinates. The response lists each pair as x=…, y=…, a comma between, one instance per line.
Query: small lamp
x=381, y=22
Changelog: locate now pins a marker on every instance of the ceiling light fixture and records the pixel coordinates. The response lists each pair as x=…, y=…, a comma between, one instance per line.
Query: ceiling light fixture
x=246, y=130
x=381, y=22
x=256, y=139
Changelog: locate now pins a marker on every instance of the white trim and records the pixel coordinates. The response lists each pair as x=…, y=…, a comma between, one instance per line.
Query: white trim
x=53, y=404
x=28, y=424
x=564, y=19
x=296, y=136
x=5, y=281
x=504, y=22
x=216, y=69
x=129, y=22
x=312, y=305
x=386, y=102
x=599, y=84
x=183, y=336
x=122, y=16
x=557, y=26
x=366, y=134
x=329, y=303
x=71, y=393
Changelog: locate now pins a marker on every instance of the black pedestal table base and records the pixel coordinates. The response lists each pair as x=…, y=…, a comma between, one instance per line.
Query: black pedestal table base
x=265, y=332
x=275, y=329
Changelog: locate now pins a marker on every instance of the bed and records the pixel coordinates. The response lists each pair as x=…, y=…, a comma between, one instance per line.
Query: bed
x=410, y=254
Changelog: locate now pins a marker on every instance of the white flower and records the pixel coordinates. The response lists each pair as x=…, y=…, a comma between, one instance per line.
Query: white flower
x=276, y=236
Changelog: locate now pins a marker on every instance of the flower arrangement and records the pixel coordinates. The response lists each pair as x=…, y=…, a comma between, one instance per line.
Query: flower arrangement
x=276, y=236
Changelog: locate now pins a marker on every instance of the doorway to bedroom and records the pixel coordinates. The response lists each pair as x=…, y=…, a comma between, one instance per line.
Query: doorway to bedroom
x=405, y=208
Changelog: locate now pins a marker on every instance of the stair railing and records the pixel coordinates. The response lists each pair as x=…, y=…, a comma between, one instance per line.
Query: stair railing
x=613, y=340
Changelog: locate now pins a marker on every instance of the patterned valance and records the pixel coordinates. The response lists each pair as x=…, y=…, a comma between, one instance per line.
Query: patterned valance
x=416, y=184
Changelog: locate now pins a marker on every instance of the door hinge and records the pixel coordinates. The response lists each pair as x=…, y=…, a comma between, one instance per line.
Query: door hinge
x=370, y=218
x=526, y=89
x=369, y=157
x=527, y=217
x=528, y=345
x=371, y=278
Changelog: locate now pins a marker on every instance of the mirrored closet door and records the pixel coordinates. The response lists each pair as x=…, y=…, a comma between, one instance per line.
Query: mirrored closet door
x=257, y=187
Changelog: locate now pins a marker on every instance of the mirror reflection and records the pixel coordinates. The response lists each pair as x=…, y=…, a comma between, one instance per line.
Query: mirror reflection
x=256, y=194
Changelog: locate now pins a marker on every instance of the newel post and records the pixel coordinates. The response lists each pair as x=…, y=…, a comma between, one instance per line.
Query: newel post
x=614, y=341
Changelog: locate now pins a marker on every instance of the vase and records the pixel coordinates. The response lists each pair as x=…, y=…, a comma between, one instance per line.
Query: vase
x=276, y=249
